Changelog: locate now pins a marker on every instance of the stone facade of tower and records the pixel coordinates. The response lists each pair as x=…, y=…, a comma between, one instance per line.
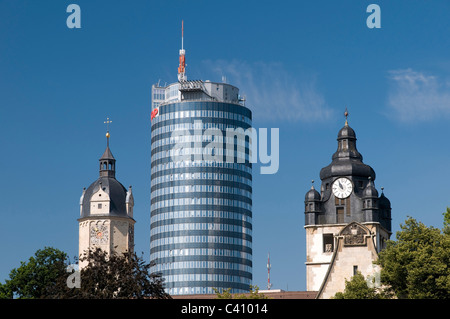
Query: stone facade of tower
x=106, y=212
x=347, y=223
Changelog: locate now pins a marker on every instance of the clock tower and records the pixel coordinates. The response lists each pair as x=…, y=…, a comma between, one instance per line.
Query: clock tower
x=347, y=223
x=106, y=211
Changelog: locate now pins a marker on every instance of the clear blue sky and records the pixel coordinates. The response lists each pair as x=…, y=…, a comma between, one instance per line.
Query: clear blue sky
x=299, y=63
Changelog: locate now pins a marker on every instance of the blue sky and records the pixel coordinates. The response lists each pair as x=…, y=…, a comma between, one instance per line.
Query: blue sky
x=299, y=64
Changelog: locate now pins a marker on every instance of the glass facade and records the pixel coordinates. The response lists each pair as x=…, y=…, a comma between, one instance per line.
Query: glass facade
x=201, y=208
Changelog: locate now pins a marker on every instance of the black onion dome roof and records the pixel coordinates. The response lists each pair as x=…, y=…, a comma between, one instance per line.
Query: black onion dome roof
x=117, y=194
x=347, y=161
x=346, y=132
x=349, y=151
x=347, y=168
x=384, y=202
x=312, y=195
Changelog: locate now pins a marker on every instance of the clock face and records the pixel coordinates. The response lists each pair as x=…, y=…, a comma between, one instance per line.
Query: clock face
x=99, y=234
x=342, y=188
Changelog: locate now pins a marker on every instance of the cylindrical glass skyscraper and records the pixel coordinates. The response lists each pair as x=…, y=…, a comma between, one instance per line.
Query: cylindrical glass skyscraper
x=201, y=188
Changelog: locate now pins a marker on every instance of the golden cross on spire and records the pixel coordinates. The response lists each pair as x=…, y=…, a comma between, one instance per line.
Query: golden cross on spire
x=107, y=122
x=346, y=115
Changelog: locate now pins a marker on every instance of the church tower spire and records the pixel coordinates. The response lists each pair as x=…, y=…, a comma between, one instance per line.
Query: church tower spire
x=347, y=143
x=347, y=223
x=106, y=210
x=346, y=116
x=107, y=161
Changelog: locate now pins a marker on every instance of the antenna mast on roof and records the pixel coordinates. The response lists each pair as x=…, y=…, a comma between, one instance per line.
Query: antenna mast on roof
x=182, y=66
x=269, y=285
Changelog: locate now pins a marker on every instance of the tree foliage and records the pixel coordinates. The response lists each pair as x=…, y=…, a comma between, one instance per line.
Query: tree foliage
x=224, y=294
x=104, y=276
x=253, y=294
x=33, y=278
x=446, y=228
x=357, y=288
x=112, y=276
x=416, y=265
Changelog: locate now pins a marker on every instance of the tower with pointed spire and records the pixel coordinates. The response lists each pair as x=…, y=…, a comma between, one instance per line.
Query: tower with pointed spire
x=106, y=211
x=347, y=215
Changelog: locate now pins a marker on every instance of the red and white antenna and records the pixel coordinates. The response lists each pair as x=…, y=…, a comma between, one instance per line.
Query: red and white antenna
x=269, y=285
x=182, y=66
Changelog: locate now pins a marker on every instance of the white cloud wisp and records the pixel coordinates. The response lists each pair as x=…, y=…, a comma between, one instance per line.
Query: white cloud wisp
x=272, y=93
x=417, y=97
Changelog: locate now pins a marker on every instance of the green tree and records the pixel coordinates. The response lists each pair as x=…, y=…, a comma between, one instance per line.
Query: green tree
x=357, y=288
x=33, y=278
x=253, y=294
x=446, y=215
x=5, y=292
x=416, y=265
x=224, y=294
x=112, y=276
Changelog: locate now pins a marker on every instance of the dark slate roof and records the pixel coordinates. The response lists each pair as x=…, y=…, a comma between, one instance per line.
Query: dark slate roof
x=384, y=202
x=312, y=195
x=107, y=154
x=370, y=191
x=346, y=132
x=347, y=167
x=347, y=161
x=117, y=194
